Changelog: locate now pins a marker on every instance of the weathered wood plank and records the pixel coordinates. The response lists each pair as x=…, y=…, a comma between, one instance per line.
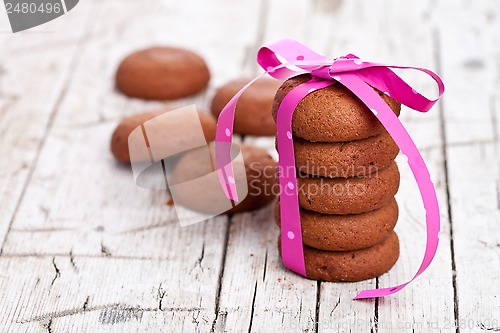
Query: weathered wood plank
x=337, y=312
x=429, y=299
x=110, y=208
x=30, y=89
x=104, y=295
x=470, y=58
x=258, y=294
x=256, y=289
x=80, y=202
x=376, y=37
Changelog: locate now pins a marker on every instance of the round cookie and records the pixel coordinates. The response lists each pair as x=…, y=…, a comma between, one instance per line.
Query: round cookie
x=119, y=139
x=259, y=169
x=332, y=114
x=160, y=73
x=345, y=159
x=253, y=110
x=352, y=266
x=345, y=232
x=348, y=195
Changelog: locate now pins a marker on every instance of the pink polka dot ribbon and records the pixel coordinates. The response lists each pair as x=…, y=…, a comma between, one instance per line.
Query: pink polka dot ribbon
x=287, y=58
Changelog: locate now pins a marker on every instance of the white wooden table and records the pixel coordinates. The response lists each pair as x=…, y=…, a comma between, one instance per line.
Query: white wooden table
x=83, y=249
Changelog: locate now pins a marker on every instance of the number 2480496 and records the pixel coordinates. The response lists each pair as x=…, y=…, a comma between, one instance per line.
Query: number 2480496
x=32, y=8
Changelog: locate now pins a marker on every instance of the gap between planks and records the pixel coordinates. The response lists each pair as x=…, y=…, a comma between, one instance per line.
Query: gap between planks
x=437, y=58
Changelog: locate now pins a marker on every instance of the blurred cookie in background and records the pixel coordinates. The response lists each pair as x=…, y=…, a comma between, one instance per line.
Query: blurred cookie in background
x=172, y=137
x=254, y=108
x=253, y=174
x=162, y=73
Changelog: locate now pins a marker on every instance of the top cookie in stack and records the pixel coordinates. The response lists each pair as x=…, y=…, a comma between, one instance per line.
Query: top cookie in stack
x=332, y=114
x=346, y=177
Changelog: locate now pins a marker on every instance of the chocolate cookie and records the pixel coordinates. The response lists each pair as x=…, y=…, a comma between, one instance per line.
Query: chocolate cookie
x=161, y=73
x=332, y=114
x=345, y=159
x=253, y=110
x=348, y=195
x=345, y=232
x=119, y=139
x=259, y=169
x=352, y=266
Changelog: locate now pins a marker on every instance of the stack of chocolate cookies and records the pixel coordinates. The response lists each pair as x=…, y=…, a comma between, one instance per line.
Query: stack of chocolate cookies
x=347, y=179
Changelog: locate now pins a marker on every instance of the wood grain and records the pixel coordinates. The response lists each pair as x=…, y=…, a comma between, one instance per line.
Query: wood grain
x=470, y=60
x=24, y=121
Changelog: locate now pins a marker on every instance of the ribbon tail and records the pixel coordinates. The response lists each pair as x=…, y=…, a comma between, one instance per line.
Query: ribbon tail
x=427, y=191
x=223, y=140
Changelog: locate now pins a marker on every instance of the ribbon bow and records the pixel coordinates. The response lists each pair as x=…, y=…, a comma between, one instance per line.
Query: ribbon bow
x=287, y=58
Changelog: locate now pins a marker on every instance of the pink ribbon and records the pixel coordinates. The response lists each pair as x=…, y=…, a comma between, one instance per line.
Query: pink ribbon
x=359, y=77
